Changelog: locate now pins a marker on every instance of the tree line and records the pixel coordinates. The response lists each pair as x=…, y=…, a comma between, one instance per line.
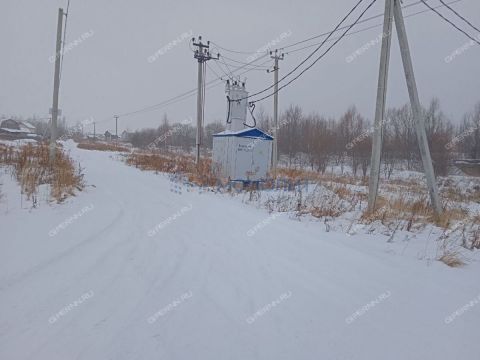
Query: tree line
x=317, y=142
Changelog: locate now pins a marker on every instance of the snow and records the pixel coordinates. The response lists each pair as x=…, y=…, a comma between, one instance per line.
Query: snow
x=230, y=274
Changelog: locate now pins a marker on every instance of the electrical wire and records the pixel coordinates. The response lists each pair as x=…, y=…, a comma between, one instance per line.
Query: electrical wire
x=250, y=64
x=232, y=51
x=373, y=26
x=191, y=92
x=313, y=52
x=339, y=29
x=450, y=22
x=228, y=68
x=223, y=71
x=320, y=57
x=346, y=26
x=243, y=63
x=236, y=66
x=460, y=16
x=252, y=108
x=215, y=73
x=212, y=83
x=315, y=36
x=185, y=95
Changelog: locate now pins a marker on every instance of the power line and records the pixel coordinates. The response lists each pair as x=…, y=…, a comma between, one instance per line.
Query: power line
x=460, y=16
x=233, y=51
x=243, y=63
x=320, y=57
x=312, y=53
x=373, y=26
x=344, y=27
x=236, y=66
x=451, y=23
x=228, y=68
x=315, y=36
x=216, y=74
x=339, y=29
x=190, y=93
x=210, y=84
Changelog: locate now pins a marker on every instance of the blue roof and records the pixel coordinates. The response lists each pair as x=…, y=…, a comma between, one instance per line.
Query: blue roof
x=254, y=133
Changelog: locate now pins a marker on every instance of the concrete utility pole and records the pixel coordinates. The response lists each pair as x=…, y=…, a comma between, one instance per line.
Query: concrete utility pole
x=93, y=131
x=414, y=103
x=56, y=86
x=276, y=57
x=380, y=106
x=416, y=108
x=199, y=112
x=202, y=54
x=116, y=125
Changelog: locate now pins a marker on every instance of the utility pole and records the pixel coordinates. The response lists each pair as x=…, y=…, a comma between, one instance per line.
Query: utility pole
x=414, y=103
x=202, y=54
x=416, y=108
x=116, y=125
x=276, y=57
x=380, y=106
x=93, y=131
x=56, y=86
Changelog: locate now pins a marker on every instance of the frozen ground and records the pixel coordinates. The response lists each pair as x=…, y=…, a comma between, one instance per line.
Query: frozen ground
x=130, y=270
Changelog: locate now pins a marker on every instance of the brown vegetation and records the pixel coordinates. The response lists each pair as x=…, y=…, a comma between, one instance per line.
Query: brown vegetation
x=175, y=164
x=31, y=167
x=102, y=146
x=452, y=259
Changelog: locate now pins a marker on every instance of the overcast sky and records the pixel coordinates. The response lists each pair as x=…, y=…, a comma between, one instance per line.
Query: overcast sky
x=110, y=72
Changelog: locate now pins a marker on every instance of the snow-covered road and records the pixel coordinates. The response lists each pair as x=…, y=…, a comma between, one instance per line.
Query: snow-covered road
x=161, y=275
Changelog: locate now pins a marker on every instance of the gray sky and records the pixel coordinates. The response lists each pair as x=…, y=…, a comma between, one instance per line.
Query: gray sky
x=109, y=72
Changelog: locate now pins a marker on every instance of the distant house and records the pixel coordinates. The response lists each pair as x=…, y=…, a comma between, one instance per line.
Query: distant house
x=15, y=129
x=125, y=136
x=10, y=124
x=109, y=136
x=23, y=126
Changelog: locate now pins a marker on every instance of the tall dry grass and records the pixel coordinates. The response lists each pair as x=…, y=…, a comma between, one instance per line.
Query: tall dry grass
x=201, y=175
x=102, y=146
x=30, y=165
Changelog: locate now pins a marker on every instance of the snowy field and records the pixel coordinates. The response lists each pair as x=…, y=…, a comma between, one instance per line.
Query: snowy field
x=128, y=269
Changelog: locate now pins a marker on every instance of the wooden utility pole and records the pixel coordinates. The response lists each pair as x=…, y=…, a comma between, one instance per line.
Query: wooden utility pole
x=276, y=57
x=56, y=86
x=414, y=103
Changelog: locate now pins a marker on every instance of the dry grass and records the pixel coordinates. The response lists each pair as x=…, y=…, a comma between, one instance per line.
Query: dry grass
x=175, y=164
x=100, y=146
x=452, y=259
x=414, y=212
x=454, y=193
x=322, y=211
x=31, y=168
x=402, y=207
x=297, y=174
